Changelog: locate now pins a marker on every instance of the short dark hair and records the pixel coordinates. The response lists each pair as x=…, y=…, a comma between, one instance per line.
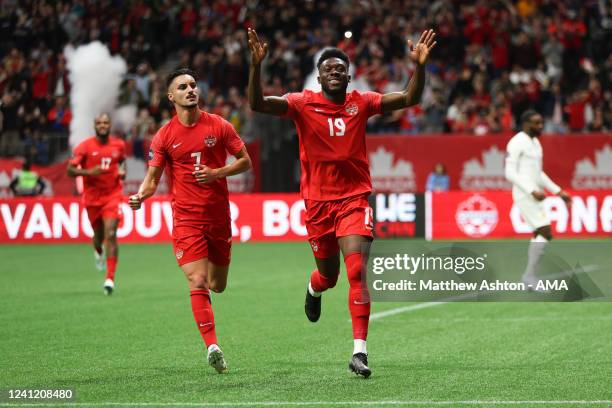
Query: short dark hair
x=333, y=53
x=527, y=115
x=179, y=72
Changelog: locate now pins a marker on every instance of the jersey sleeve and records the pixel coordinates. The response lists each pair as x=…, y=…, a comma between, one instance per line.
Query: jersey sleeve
x=157, y=152
x=373, y=102
x=232, y=141
x=78, y=155
x=295, y=101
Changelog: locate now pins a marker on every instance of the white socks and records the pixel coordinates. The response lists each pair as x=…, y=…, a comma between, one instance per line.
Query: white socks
x=312, y=291
x=359, y=346
x=536, y=249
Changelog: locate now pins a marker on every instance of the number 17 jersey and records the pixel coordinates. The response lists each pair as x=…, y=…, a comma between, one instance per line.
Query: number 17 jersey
x=185, y=148
x=332, y=143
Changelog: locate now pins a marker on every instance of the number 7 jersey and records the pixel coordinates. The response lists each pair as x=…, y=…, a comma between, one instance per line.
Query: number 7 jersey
x=332, y=143
x=187, y=148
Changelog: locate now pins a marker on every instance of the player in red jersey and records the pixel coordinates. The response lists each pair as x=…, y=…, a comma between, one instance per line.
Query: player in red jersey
x=100, y=161
x=195, y=144
x=335, y=181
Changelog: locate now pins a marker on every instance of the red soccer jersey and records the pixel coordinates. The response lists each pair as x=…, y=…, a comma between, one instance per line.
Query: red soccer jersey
x=90, y=153
x=332, y=143
x=184, y=148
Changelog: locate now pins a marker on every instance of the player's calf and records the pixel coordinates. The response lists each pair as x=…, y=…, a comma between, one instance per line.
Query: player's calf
x=316, y=286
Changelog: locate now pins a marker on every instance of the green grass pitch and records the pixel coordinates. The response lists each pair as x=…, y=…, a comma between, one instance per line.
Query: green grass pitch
x=141, y=345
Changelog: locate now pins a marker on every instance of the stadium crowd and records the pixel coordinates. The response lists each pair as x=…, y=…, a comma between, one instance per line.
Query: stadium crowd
x=493, y=60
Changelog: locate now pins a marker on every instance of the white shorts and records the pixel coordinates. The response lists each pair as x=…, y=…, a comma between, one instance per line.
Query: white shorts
x=533, y=212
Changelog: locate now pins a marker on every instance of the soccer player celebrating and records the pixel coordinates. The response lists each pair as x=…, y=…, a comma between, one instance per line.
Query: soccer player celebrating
x=524, y=171
x=100, y=161
x=195, y=144
x=335, y=181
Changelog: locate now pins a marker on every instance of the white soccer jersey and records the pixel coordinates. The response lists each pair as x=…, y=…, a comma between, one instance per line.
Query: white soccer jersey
x=524, y=167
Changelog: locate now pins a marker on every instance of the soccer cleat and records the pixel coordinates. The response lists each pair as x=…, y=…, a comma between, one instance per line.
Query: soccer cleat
x=109, y=286
x=100, y=260
x=216, y=359
x=312, y=307
x=359, y=365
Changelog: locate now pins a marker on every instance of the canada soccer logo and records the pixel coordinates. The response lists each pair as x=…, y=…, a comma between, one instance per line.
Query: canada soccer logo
x=210, y=140
x=477, y=217
x=352, y=109
x=179, y=254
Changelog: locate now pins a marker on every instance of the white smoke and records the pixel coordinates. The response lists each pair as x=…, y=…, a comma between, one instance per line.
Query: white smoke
x=95, y=76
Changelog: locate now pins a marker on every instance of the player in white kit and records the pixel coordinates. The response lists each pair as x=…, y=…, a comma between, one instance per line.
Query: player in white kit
x=524, y=171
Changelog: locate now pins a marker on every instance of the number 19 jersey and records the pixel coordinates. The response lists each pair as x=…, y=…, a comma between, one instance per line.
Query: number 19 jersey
x=332, y=143
x=187, y=148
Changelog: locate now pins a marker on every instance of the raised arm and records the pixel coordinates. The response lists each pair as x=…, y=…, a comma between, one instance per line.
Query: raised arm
x=147, y=188
x=413, y=92
x=272, y=105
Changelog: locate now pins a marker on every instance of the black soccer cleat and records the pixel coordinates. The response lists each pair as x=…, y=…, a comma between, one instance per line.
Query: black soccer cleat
x=312, y=307
x=359, y=365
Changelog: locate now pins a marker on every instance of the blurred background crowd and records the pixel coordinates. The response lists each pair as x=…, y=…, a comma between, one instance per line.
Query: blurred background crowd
x=494, y=59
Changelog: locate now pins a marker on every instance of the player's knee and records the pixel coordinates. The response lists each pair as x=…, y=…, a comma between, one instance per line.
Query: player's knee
x=217, y=286
x=197, y=282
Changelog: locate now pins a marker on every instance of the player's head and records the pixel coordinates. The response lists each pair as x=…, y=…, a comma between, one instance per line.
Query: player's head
x=102, y=125
x=532, y=123
x=183, y=89
x=333, y=66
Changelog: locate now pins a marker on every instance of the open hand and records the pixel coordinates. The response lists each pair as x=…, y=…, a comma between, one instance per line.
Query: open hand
x=566, y=198
x=258, y=49
x=419, y=52
x=205, y=175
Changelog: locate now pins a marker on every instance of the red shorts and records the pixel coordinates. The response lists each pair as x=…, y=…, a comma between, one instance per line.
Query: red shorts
x=326, y=221
x=193, y=242
x=109, y=211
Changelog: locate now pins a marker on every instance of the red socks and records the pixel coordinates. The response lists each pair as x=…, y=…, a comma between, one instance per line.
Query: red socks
x=111, y=266
x=203, y=314
x=359, y=298
x=320, y=283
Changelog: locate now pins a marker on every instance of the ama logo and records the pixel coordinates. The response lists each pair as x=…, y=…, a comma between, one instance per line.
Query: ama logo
x=594, y=176
x=477, y=217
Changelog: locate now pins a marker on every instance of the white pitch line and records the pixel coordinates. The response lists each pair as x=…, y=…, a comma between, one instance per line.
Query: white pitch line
x=404, y=309
x=321, y=403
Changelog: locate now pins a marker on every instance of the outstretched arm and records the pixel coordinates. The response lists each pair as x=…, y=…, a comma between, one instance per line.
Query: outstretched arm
x=273, y=105
x=412, y=94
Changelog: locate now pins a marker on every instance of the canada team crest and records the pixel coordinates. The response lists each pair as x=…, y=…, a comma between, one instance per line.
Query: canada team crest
x=352, y=109
x=210, y=141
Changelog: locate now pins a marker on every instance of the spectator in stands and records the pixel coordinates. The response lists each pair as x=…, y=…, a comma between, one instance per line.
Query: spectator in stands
x=438, y=179
x=59, y=115
x=27, y=182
